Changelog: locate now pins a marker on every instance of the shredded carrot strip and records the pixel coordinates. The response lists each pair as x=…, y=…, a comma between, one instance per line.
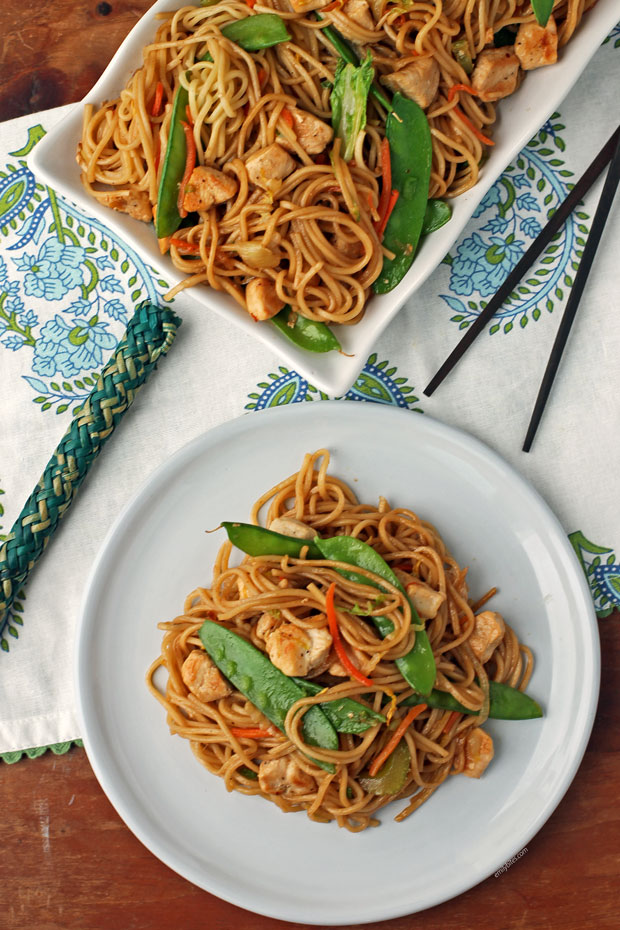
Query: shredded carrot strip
x=190, y=161
x=485, y=597
x=471, y=126
x=158, y=100
x=332, y=621
x=251, y=732
x=188, y=114
x=464, y=87
x=335, y=5
x=262, y=76
x=391, y=745
x=184, y=246
x=380, y=227
x=251, y=3
x=452, y=717
x=287, y=116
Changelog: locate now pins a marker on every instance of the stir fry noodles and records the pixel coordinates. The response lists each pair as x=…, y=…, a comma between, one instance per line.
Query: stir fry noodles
x=292, y=153
x=342, y=663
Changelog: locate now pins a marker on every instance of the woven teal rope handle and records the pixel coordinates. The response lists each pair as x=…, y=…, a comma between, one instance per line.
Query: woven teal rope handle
x=149, y=335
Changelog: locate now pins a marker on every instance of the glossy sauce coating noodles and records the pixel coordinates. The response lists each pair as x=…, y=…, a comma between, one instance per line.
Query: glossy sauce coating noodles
x=280, y=217
x=280, y=604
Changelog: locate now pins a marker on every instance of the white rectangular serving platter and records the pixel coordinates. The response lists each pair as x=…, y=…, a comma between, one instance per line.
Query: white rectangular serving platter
x=520, y=117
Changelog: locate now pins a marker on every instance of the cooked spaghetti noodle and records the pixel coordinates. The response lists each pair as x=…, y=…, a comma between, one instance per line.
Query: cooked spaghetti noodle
x=309, y=228
x=277, y=603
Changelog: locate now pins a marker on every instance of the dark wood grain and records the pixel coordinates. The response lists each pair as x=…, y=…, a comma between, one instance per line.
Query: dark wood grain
x=52, y=53
x=69, y=863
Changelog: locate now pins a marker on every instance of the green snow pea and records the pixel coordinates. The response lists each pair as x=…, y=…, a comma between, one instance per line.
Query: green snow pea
x=168, y=218
x=542, y=11
x=256, y=540
x=418, y=665
x=505, y=703
x=307, y=334
x=408, y=133
x=269, y=689
x=256, y=32
x=436, y=215
x=346, y=715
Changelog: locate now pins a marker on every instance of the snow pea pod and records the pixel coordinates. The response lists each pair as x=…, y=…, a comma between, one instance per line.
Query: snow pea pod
x=256, y=32
x=542, y=11
x=408, y=133
x=256, y=540
x=418, y=665
x=307, y=334
x=505, y=703
x=346, y=715
x=392, y=775
x=168, y=218
x=436, y=215
x=269, y=689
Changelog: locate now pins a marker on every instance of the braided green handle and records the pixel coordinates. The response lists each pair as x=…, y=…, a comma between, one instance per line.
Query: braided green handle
x=149, y=335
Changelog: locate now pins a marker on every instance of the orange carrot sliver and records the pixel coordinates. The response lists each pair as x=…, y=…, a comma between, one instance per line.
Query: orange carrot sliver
x=471, y=126
x=251, y=3
x=190, y=162
x=184, y=246
x=158, y=99
x=458, y=87
x=251, y=732
x=332, y=621
x=380, y=226
x=453, y=716
x=392, y=743
x=485, y=597
x=287, y=116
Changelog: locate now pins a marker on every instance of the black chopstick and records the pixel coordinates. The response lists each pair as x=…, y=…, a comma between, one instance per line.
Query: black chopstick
x=560, y=216
x=598, y=224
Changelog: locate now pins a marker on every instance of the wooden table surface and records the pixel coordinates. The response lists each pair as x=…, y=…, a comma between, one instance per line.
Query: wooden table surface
x=67, y=861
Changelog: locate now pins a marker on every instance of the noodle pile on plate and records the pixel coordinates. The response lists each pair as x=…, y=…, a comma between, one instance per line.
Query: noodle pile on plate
x=279, y=604
x=298, y=224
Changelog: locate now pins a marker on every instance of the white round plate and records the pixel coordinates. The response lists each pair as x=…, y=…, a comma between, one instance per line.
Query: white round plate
x=245, y=850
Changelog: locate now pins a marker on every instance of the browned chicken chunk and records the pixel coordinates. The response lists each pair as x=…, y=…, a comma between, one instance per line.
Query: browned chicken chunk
x=536, y=46
x=496, y=73
x=418, y=80
x=130, y=200
x=206, y=187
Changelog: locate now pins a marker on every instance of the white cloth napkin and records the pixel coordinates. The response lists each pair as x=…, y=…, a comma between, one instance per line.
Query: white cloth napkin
x=63, y=308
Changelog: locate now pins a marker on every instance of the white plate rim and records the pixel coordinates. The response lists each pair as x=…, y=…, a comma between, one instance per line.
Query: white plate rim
x=333, y=373
x=589, y=682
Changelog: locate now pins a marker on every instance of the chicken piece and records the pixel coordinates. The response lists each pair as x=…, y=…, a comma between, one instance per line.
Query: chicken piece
x=478, y=752
x=265, y=625
x=203, y=678
x=359, y=12
x=312, y=133
x=489, y=629
x=262, y=299
x=206, y=187
x=131, y=200
x=295, y=651
x=536, y=46
x=289, y=526
x=270, y=164
x=496, y=73
x=418, y=80
x=284, y=776
x=425, y=599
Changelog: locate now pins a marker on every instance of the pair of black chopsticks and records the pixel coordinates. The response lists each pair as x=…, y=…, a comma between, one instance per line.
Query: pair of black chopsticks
x=609, y=153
